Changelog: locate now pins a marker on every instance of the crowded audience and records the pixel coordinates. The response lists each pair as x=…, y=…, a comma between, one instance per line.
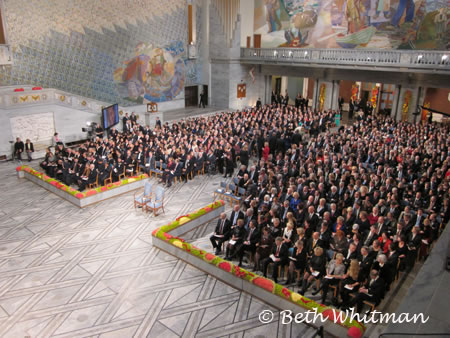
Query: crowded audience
x=347, y=209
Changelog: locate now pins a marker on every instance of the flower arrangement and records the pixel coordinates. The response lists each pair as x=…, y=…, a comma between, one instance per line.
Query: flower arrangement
x=74, y=192
x=229, y=267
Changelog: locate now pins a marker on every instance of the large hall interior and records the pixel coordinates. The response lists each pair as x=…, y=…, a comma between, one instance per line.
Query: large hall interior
x=224, y=168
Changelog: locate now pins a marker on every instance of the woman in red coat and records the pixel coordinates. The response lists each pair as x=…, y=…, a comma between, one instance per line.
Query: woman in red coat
x=266, y=151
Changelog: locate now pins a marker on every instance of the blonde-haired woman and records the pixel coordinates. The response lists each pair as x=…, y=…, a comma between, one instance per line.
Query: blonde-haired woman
x=350, y=284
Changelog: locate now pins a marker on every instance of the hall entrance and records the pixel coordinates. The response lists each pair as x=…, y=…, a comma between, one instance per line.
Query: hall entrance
x=191, y=96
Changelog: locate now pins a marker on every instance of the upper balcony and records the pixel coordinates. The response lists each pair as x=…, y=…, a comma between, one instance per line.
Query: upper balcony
x=419, y=61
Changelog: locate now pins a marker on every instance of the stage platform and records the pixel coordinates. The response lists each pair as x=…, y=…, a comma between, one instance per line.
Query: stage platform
x=184, y=113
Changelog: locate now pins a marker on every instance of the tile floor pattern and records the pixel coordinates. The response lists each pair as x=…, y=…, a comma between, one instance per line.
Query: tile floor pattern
x=66, y=272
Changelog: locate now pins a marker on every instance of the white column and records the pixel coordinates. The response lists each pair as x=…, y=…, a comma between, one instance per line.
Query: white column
x=305, y=86
x=284, y=84
x=395, y=104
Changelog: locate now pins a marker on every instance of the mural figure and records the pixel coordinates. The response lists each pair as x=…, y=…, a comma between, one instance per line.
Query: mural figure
x=378, y=24
x=152, y=75
x=404, y=6
x=272, y=14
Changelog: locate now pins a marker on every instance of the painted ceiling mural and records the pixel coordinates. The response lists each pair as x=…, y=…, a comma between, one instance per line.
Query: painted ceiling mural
x=386, y=24
x=84, y=47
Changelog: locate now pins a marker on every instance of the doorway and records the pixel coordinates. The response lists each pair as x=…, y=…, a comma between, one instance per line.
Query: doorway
x=191, y=96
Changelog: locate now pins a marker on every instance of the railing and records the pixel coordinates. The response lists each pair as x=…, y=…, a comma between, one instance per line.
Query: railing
x=417, y=59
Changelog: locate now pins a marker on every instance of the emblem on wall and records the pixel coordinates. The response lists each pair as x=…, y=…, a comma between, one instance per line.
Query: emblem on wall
x=241, y=90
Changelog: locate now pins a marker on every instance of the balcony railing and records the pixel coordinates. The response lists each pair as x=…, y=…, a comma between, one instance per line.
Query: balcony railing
x=414, y=60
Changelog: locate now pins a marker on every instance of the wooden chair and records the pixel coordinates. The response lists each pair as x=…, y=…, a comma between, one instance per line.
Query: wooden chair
x=93, y=185
x=108, y=179
x=201, y=170
x=370, y=304
x=157, y=203
x=142, y=198
x=122, y=175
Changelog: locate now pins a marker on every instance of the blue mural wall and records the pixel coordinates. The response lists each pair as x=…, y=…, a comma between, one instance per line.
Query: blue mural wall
x=79, y=45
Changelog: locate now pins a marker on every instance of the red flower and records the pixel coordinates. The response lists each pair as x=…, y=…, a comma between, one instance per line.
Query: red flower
x=117, y=183
x=209, y=257
x=305, y=300
x=53, y=183
x=103, y=188
x=286, y=293
x=264, y=283
x=79, y=195
x=109, y=185
x=168, y=236
x=329, y=314
x=225, y=266
x=19, y=168
x=155, y=231
x=185, y=246
x=238, y=272
x=91, y=192
x=354, y=332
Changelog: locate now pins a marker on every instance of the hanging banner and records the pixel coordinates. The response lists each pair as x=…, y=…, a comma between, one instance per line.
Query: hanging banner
x=405, y=107
x=241, y=90
x=425, y=111
x=355, y=91
x=374, y=98
x=322, y=96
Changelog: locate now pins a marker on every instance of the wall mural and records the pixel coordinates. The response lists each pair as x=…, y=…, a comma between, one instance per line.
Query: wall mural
x=387, y=24
x=153, y=74
x=83, y=46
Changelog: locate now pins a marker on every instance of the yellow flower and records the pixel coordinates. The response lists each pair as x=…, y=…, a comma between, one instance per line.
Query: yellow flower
x=295, y=297
x=178, y=244
x=184, y=220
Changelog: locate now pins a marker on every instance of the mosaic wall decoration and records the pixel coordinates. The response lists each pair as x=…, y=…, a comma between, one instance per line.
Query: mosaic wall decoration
x=154, y=74
x=77, y=45
x=387, y=24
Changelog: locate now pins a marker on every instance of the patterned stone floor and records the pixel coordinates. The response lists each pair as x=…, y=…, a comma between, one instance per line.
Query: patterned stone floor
x=66, y=272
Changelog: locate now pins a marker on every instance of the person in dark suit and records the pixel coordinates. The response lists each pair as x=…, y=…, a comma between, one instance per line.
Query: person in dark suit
x=251, y=238
x=168, y=171
x=373, y=291
x=315, y=269
x=413, y=242
x=89, y=177
x=188, y=168
x=29, y=149
x=312, y=218
x=297, y=261
x=18, y=148
x=279, y=257
x=366, y=261
x=313, y=243
x=124, y=123
x=158, y=123
x=237, y=238
x=221, y=233
x=350, y=253
x=149, y=163
x=235, y=215
x=176, y=172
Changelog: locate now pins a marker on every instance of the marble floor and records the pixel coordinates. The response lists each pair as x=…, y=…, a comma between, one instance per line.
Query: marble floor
x=70, y=272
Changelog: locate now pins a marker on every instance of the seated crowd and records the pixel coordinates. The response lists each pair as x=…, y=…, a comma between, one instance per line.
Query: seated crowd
x=350, y=208
x=183, y=149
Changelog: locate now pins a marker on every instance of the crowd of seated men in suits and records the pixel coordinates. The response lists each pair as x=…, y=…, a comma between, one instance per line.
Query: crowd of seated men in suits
x=350, y=208
x=205, y=144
